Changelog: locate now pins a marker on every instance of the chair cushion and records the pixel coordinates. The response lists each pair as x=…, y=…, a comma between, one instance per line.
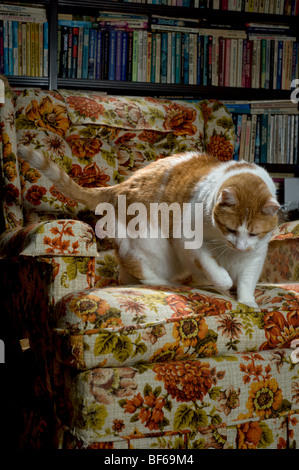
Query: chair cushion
x=120, y=326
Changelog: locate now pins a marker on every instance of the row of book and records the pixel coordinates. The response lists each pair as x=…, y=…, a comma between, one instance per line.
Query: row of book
x=266, y=132
x=276, y=7
x=168, y=50
x=23, y=40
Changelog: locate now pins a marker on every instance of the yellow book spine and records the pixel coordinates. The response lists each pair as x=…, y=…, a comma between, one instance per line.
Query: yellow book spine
x=28, y=50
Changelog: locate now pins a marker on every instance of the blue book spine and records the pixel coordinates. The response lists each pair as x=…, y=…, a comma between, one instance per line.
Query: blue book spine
x=118, y=54
x=173, y=57
x=10, y=48
x=112, y=54
x=75, y=24
x=15, y=47
x=124, y=55
x=237, y=118
x=163, y=57
x=178, y=57
x=205, y=60
x=98, y=55
x=186, y=59
x=294, y=60
x=1, y=48
x=46, y=49
x=153, y=59
x=92, y=53
x=5, y=47
x=85, y=53
x=279, y=64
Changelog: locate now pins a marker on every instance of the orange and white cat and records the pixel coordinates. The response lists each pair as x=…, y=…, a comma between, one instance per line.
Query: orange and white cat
x=239, y=215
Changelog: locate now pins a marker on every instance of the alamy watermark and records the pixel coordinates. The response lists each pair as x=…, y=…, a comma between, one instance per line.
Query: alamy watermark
x=161, y=220
x=2, y=91
x=295, y=92
x=2, y=352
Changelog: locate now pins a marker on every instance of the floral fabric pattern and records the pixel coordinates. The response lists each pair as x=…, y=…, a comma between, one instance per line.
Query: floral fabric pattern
x=121, y=326
x=153, y=367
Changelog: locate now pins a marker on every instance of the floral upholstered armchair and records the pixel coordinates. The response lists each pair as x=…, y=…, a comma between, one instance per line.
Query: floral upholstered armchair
x=133, y=366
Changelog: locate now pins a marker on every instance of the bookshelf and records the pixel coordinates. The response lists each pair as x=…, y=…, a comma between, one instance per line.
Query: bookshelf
x=215, y=18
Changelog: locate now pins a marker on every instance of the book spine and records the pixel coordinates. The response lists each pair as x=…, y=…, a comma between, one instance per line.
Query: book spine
x=75, y=52
x=149, y=57
x=158, y=58
x=28, y=50
x=264, y=138
x=118, y=54
x=15, y=64
x=186, y=59
x=1, y=47
x=227, y=61
x=64, y=51
x=130, y=56
x=279, y=65
x=163, y=57
x=135, y=57
x=153, y=58
x=105, y=39
x=124, y=55
x=85, y=53
x=199, y=59
x=98, y=55
x=69, y=52
x=80, y=53
x=91, y=53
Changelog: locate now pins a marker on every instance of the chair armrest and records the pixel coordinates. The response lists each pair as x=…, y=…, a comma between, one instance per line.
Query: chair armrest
x=56, y=238
x=282, y=260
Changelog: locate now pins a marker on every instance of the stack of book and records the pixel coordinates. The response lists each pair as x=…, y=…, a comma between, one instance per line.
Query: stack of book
x=275, y=7
x=23, y=40
x=170, y=50
x=266, y=131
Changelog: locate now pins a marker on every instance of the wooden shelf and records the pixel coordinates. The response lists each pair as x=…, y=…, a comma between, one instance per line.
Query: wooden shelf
x=167, y=89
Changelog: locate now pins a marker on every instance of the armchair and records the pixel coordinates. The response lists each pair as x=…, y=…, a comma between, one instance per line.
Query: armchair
x=134, y=366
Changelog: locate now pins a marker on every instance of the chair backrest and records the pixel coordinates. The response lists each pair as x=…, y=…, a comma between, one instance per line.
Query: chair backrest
x=99, y=140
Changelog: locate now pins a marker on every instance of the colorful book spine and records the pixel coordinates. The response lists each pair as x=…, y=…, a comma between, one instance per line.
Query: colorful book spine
x=85, y=52
x=92, y=53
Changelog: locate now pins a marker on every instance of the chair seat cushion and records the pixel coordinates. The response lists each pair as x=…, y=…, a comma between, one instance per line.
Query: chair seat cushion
x=129, y=325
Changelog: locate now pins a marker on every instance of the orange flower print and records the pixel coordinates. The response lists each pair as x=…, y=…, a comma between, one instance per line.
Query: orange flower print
x=10, y=170
x=150, y=409
x=197, y=303
x=90, y=177
x=249, y=435
x=89, y=308
x=11, y=194
x=7, y=148
x=60, y=197
x=280, y=330
x=220, y=147
x=186, y=380
x=190, y=330
x=84, y=148
x=169, y=352
x=85, y=107
x=180, y=119
x=35, y=194
x=48, y=116
x=207, y=111
x=265, y=397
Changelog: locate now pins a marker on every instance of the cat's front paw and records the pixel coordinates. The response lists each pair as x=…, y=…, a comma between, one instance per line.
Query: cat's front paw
x=223, y=280
x=250, y=302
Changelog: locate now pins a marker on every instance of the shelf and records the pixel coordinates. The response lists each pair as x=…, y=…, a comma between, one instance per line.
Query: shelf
x=36, y=82
x=166, y=89
x=184, y=12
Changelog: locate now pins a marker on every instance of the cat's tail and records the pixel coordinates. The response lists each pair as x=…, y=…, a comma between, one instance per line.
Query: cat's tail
x=90, y=197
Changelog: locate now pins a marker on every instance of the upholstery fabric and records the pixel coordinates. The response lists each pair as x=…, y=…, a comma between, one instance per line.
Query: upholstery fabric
x=118, y=367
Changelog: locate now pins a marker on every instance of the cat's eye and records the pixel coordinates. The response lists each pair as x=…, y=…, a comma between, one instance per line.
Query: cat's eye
x=253, y=234
x=231, y=230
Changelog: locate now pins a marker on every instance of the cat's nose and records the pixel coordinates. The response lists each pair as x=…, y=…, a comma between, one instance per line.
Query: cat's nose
x=241, y=245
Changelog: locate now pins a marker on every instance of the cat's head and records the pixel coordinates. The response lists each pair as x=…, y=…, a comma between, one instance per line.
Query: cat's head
x=245, y=211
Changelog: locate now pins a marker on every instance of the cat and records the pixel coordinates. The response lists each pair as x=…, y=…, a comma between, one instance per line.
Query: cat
x=239, y=216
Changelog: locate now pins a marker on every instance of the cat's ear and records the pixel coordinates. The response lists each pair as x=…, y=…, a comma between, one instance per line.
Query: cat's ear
x=270, y=207
x=227, y=196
